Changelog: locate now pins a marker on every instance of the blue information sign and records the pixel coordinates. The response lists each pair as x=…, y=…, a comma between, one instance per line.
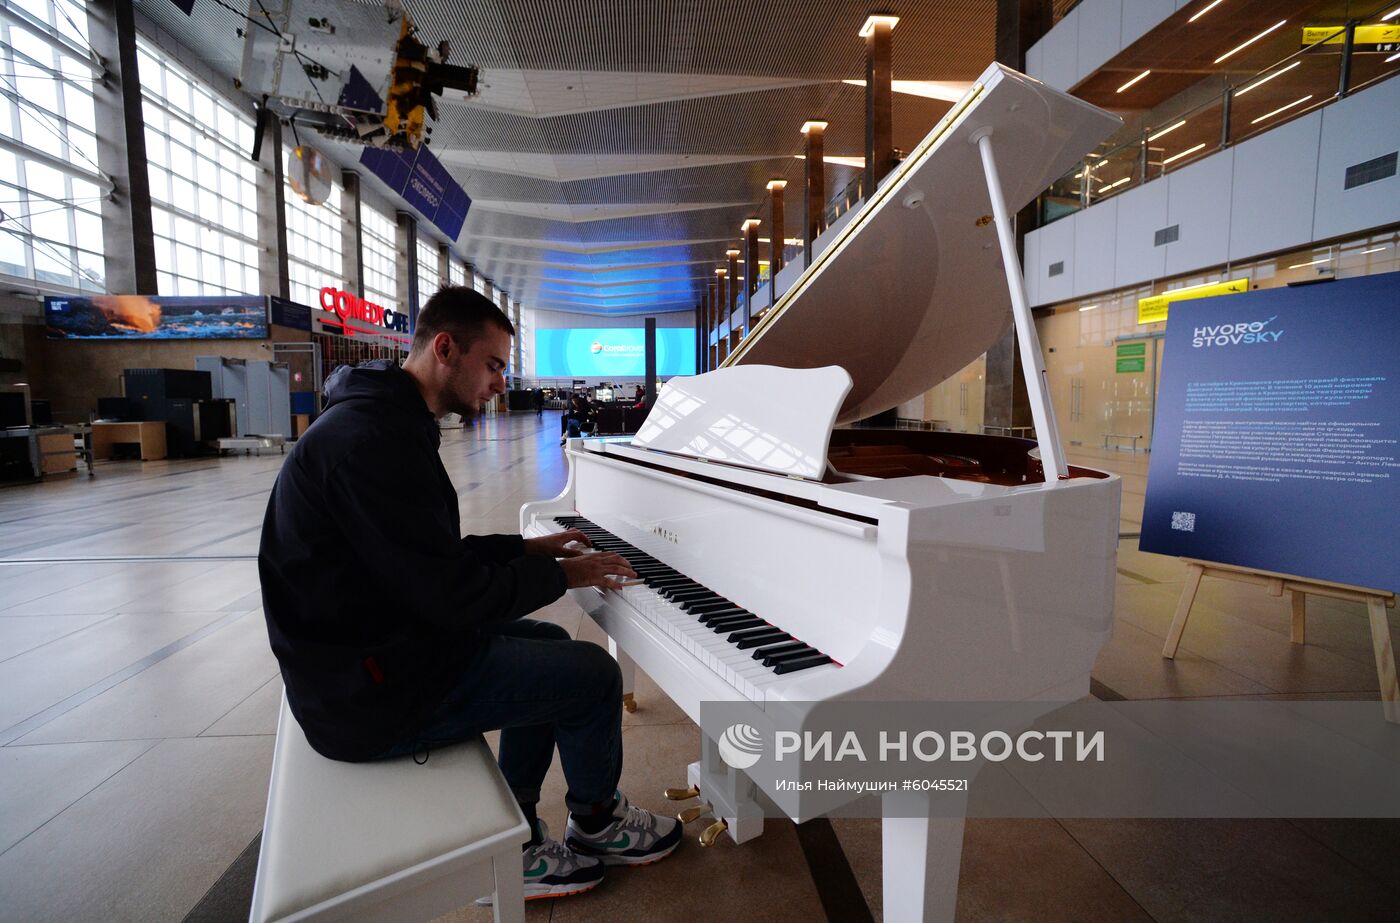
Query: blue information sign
x=1277, y=438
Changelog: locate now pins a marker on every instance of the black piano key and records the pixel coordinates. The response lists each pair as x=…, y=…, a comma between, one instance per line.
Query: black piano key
x=787, y=647
x=699, y=595
x=764, y=629
x=699, y=607
x=775, y=659
x=692, y=597
x=664, y=583
x=739, y=621
x=678, y=586
x=709, y=617
x=744, y=640
x=801, y=663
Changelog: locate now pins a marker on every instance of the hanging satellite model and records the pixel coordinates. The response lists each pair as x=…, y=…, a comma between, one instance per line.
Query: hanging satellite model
x=354, y=71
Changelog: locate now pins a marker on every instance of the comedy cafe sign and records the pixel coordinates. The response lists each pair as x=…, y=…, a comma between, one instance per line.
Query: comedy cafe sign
x=354, y=314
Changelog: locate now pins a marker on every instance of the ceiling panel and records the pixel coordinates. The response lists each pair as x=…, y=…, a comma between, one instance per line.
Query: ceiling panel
x=617, y=144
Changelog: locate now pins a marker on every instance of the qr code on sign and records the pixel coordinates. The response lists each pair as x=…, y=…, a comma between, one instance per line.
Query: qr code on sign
x=1184, y=522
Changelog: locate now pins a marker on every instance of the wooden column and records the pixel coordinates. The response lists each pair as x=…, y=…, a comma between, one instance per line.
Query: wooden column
x=815, y=201
x=732, y=281
x=751, y=270
x=879, y=100
x=776, y=239
x=1020, y=24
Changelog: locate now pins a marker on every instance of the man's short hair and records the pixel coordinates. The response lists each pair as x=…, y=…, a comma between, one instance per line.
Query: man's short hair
x=460, y=311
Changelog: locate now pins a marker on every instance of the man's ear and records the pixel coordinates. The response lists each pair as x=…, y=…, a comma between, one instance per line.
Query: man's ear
x=443, y=346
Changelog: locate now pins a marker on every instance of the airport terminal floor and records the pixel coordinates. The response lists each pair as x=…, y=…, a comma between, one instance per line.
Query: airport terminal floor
x=138, y=701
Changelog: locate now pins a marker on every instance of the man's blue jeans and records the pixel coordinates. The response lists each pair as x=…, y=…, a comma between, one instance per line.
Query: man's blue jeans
x=539, y=688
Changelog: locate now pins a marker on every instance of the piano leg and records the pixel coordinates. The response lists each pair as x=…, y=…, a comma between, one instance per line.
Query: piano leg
x=629, y=675
x=731, y=795
x=922, y=858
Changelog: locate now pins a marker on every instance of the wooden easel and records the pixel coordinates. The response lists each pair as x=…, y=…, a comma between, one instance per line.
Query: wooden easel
x=1298, y=587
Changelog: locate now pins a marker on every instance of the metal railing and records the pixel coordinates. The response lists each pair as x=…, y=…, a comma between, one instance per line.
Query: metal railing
x=1320, y=73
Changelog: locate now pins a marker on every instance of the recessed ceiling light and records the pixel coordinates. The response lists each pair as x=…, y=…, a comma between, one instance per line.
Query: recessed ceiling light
x=1246, y=44
x=1264, y=80
x=1325, y=259
x=1204, y=10
x=1269, y=115
x=946, y=90
x=1189, y=150
x=1372, y=250
x=1089, y=307
x=1164, y=131
x=868, y=28
x=1134, y=80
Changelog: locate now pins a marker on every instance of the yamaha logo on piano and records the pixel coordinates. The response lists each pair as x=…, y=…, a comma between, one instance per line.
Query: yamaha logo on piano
x=667, y=534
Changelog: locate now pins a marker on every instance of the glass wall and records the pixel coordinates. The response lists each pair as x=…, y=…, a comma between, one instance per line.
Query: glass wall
x=203, y=201
x=50, y=186
x=1104, y=367
x=458, y=271
x=427, y=269
x=313, y=245
x=379, y=254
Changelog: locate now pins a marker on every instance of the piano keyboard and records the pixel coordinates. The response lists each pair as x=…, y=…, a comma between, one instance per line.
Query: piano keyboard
x=743, y=647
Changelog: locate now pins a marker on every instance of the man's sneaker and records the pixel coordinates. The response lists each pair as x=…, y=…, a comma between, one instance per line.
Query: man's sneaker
x=554, y=870
x=635, y=836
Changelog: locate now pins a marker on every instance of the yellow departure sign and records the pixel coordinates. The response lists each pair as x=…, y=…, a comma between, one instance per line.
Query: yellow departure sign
x=1153, y=310
x=1378, y=34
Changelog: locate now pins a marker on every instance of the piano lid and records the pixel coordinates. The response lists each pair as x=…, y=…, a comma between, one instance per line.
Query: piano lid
x=912, y=290
x=757, y=416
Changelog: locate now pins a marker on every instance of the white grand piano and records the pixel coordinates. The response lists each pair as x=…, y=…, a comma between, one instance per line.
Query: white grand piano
x=787, y=560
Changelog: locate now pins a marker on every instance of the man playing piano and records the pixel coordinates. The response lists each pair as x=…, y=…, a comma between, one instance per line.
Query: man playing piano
x=396, y=634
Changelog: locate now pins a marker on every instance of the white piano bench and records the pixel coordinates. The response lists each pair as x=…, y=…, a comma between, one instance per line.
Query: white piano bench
x=389, y=840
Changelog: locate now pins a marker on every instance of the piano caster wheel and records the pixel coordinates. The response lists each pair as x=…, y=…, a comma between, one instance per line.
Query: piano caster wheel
x=629, y=703
x=682, y=794
x=712, y=833
x=690, y=814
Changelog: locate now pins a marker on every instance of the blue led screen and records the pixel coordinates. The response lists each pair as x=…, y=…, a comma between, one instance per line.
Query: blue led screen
x=612, y=352
x=156, y=317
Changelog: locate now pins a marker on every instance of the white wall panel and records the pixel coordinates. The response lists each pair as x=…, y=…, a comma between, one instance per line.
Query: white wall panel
x=1141, y=212
x=1357, y=129
x=1030, y=259
x=1034, y=61
x=1141, y=16
x=1275, y=176
x=1198, y=203
x=1100, y=25
x=1056, y=246
x=1095, y=233
x=1060, y=50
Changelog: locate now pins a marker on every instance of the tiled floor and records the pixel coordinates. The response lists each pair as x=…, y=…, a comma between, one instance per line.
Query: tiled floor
x=138, y=703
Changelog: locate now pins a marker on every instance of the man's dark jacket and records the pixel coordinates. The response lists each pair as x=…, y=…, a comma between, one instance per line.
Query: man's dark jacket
x=374, y=600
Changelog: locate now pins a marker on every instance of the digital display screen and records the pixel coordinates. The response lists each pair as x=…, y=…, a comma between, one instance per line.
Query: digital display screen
x=156, y=317
x=612, y=352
